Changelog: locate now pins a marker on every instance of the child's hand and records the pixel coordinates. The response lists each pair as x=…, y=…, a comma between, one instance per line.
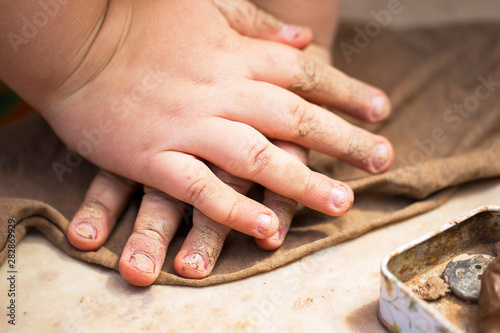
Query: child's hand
x=167, y=85
x=181, y=87
x=160, y=214
x=108, y=195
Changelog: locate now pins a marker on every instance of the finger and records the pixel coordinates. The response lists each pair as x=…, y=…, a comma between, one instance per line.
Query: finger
x=201, y=248
x=250, y=21
x=282, y=206
x=315, y=80
x=104, y=202
x=203, y=244
x=194, y=183
x=295, y=120
x=248, y=154
x=157, y=221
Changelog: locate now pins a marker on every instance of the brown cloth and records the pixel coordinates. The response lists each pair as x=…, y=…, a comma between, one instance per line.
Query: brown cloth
x=445, y=87
x=489, y=299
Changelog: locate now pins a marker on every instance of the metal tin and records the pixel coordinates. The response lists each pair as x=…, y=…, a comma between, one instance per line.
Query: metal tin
x=401, y=309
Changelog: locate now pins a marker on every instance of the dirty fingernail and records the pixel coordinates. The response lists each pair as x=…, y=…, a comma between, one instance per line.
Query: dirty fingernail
x=86, y=230
x=196, y=261
x=380, y=107
x=142, y=262
x=290, y=31
x=339, y=197
x=263, y=223
x=380, y=156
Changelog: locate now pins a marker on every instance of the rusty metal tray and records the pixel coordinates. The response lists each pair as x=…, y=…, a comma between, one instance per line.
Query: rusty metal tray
x=401, y=309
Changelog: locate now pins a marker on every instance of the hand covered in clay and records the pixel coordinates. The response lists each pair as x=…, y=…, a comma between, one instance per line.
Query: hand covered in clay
x=203, y=92
x=160, y=214
x=167, y=85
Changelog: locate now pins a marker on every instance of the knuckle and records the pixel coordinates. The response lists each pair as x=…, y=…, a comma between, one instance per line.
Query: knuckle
x=305, y=184
x=259, y=158
x=95, y=207
x=302, y=120
x=278, y=54
x=309, y=182
x=198, y=191
x=233, y=216
x=310, y=75
x=358, y=147
x=150, y=228
x=209, y=229
x=352, y=90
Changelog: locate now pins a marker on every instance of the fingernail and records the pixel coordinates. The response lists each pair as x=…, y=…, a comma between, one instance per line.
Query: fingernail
x=379, y=156
x=263, y=223
x=86, y=230
x=380, y=107
x=290, y=31
x=196, y=261
x=339, y=197
x=142, y=262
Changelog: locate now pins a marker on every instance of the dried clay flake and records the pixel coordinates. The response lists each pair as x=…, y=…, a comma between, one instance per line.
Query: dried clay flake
x=434, y=288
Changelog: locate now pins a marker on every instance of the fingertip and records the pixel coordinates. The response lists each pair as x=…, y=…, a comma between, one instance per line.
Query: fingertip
x=295, y=36
x=271, y=243
x=250, y=21
x=141, y=260
x=191, y=265
x=83, y=235
x=105, y=200
x=382, y=157
x=91, y=225
x=342, y=199
x=199, y=253
x=266, y=225
x=380, y=107
x=137, y=270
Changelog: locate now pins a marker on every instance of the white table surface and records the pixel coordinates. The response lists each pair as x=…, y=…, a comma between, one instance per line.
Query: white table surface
x=334, y=290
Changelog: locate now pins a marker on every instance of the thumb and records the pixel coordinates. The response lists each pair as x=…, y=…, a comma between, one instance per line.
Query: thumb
x=244, y=17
